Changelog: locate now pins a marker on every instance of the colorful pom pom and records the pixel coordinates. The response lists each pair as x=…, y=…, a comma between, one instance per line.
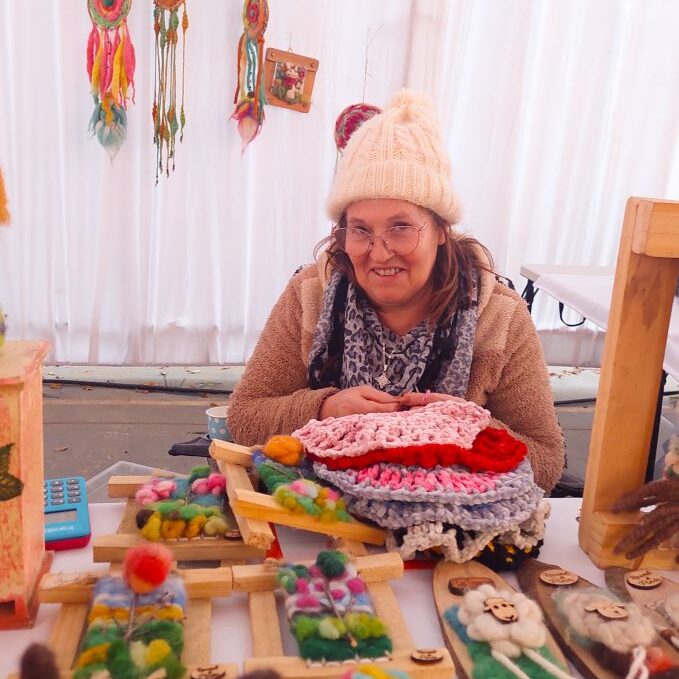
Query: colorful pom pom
x=284, y=449
x=146, y=567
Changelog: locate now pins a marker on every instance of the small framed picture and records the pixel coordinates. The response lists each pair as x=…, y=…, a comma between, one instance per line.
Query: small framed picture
x=289, y=79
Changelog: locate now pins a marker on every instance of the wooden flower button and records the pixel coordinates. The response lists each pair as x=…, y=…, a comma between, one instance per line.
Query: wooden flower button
x=460, y=586
x=643, y=579
x=607, y=609
x=558, y=577
x=501, y=609
x=427, y=656
x=208, y=672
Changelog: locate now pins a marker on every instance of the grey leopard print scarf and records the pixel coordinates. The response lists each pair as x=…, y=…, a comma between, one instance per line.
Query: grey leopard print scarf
x=350, y=346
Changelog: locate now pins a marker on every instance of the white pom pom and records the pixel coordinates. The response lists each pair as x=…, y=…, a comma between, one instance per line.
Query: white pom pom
x=411, y=105
x=528, y=633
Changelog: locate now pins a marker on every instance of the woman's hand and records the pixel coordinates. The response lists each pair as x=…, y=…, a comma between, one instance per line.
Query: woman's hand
x=359, y=400
x=416, y=399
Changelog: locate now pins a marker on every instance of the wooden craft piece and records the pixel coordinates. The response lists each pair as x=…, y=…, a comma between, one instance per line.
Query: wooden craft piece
x=649, y=591
x=247, y=503
x=558, y=577
x=447, y=594
x=289, y=79
x=109, y=548
x=643, y=293
x=74, y=593
x=22, y=520
x=580, y=655
x=259, y=582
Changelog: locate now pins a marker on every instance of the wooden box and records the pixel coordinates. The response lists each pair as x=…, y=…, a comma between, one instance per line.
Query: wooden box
x=22, y=540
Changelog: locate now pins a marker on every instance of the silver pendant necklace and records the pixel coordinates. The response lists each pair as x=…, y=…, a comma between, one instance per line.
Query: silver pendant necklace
x=383, y=381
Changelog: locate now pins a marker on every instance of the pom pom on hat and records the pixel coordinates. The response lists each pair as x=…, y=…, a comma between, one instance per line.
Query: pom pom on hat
x=397, y=154
x=146, y=567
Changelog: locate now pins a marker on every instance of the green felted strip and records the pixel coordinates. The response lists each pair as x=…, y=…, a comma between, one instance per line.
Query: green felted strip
x=316, y=648
x=170, y=630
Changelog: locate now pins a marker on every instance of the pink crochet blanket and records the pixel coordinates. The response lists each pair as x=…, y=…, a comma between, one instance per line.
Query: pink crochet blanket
x=446, y=422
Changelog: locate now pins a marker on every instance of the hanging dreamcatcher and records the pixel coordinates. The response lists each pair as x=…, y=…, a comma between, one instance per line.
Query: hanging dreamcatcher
x=249, y=97
x=110, y=66
x=166, y=124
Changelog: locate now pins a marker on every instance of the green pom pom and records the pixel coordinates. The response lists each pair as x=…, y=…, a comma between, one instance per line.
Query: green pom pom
x=304, y=627
x=287, y=578
x=328, y=630
x=301, y=571
x=172, y=666
x=199, y=472
x=119, y=661
x=332, y=563
x=170, y=630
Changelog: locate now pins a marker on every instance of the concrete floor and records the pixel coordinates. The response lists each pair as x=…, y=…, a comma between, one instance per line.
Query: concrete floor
x=90, y=429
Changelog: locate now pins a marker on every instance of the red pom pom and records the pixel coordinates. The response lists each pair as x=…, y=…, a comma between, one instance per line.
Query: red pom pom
x=146, y=567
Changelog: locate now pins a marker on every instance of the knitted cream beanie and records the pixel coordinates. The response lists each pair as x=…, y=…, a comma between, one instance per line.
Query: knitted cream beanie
x=397, y=154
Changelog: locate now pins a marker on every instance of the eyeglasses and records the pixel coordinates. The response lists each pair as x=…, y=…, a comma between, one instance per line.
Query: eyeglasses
x=401, y=239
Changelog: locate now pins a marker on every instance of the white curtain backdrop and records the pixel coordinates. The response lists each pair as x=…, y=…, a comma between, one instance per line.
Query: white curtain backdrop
x=553, y=114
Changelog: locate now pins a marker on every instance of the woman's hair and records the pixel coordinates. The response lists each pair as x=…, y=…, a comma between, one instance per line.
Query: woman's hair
x=456, y=260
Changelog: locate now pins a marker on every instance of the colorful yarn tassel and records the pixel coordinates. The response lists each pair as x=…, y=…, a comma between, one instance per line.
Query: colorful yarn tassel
x=4, y=212
x=249, y=97
x=165, y=122
x=110, y=67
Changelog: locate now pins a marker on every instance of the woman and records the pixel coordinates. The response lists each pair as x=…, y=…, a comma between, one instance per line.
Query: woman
x=399, y=310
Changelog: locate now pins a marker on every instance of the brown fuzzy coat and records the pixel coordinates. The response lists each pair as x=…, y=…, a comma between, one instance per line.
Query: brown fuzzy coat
x=508, y=373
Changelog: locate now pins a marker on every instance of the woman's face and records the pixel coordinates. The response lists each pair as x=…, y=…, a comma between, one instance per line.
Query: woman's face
x=391, y=279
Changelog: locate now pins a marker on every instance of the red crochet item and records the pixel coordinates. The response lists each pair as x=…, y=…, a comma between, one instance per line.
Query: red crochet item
x=493, y=450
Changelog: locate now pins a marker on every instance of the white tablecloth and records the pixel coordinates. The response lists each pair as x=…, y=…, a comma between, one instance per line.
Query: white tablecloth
x=230, y=630
x=590, y=295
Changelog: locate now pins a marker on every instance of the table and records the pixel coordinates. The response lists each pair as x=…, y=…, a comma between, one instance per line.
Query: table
x=230, y=631
x=588, y=291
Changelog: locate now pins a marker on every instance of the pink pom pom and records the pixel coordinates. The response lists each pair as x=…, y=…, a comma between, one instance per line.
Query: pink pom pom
x=356, y=585
x=337, y=594
x=165, y=488
x=319, y=587
x=307, y=601
x=216, y=483
x=200, y=487
x=145, y=496
x=302, y=586
x=315, y=571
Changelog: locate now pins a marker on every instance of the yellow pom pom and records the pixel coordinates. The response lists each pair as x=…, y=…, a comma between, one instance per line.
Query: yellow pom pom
x=284, y=449
x=214, y=526
x=195, y=526
x=172, y=529
x=156, y=651
x=151, y=531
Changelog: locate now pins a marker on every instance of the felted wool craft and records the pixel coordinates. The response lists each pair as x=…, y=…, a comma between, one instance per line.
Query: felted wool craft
x=617, y=634
x=504, y=557
x=460, y=546
x=131, y=635
x=450, y=485
x=297, y=494
x=110, y=67
x=505, y=635
x=498, y=515
x=330, y=612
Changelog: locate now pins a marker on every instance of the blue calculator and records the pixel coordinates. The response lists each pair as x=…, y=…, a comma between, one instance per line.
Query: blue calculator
x=67, y=516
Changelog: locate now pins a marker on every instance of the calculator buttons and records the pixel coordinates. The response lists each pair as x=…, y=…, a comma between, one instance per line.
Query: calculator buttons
x=57, y=502
x=73, y=481
x=57, y=496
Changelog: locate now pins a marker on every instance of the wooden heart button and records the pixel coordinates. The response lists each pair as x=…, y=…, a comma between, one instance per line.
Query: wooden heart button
x=607, y=609
x=558, y=577
x=643, y=579
x=501, y=609
x=427, y=656
x=208, y=672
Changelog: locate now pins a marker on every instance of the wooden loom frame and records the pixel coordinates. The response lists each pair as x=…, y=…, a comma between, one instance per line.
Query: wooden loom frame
x=260, y=582
x=74, y=593
x=113, y=547
x=247, y=503
x=645, y=279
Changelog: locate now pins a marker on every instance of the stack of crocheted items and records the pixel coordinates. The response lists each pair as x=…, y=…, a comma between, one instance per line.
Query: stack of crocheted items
x=330, y=612
x=435, y=477
x=184, y=508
